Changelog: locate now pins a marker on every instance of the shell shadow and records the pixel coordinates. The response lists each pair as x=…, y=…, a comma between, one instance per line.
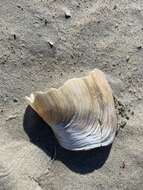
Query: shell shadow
x=41, y=135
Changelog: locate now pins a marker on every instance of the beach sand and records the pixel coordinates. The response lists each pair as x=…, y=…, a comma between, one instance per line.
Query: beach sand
x=42, y=44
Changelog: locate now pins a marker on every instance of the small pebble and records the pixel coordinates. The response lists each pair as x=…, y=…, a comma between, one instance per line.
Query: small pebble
x=67, y=14
x=115, y=7
x=139, y=47
x=127, y=58
x=123, y=165
x=127, y=117
x=14, y=36
x=18, y=6
x=129, y=110
x=116, y=26
x=61, y=74
x=122, y=124
x=46, y=22
x=15, y=100
x=130, y=90
x=134, y=91
x=11, y=117
x=51, y=44
x=139, y=97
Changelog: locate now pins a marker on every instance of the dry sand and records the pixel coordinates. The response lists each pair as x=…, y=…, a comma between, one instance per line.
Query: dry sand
x=40, y=47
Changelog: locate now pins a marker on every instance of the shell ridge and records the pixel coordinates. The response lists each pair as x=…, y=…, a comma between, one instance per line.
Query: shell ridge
x=80, y=112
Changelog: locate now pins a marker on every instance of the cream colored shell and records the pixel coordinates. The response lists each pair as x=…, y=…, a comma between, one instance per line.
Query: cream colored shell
x=81, y=113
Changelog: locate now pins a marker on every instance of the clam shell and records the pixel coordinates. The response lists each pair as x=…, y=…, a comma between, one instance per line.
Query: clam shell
x=81, y=113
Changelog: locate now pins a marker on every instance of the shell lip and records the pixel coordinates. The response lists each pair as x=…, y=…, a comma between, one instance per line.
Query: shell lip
x=90, y=147
x=31, y=98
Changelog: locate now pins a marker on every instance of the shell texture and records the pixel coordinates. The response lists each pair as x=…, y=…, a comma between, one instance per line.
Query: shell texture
x=81, y=113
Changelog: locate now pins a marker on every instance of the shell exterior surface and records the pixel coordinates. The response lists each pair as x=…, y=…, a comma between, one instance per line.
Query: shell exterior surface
x=81, y=113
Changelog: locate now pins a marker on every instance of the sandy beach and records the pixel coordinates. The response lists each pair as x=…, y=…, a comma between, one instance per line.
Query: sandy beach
x=43, y=43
